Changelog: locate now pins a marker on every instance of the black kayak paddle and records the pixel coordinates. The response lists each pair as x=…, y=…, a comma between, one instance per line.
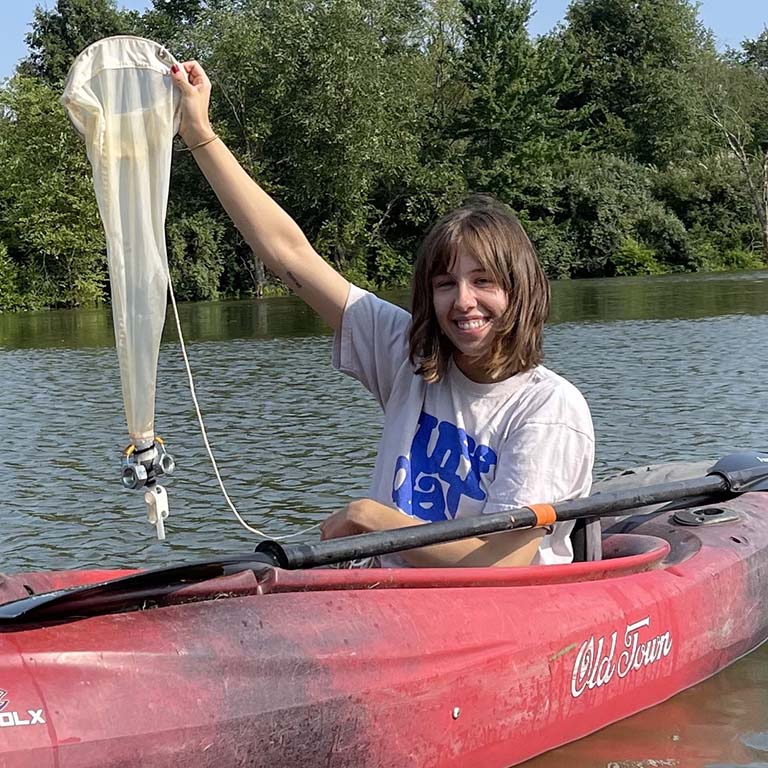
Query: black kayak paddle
x=737, y=473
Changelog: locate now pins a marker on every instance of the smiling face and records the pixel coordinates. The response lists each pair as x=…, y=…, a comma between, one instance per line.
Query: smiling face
x=468, y=302
x=480, y=296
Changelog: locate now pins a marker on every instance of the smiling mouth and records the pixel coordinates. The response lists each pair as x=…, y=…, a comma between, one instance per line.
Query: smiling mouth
x=471, y=325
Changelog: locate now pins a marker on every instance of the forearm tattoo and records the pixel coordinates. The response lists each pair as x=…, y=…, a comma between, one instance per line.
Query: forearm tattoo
x=292, y=278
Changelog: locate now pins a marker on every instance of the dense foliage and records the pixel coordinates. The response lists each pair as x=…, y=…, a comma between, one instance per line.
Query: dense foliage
x=625, y=141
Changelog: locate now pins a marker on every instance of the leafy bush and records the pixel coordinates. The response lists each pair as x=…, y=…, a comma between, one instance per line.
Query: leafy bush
x=10, y=297
x=194, y=256
x=666, y=236
x=634, y=258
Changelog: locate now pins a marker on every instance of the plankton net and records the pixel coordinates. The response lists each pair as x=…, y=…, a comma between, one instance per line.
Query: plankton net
x=120, y=97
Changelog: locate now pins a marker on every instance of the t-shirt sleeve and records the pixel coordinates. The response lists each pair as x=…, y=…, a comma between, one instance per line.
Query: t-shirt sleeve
x=372, y=344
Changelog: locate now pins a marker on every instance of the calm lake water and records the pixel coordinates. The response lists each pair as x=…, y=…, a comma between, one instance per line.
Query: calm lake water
x=672, y=367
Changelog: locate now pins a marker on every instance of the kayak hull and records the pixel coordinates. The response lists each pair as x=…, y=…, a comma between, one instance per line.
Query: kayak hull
x=427, y=667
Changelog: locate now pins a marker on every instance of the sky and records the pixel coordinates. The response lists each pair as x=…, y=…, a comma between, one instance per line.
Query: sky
x=731, y=20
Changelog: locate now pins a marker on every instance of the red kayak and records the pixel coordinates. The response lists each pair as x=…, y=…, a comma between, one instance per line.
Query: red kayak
x=385, y=668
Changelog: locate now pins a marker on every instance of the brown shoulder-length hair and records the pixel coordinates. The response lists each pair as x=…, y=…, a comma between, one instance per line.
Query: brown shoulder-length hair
x=487, y=229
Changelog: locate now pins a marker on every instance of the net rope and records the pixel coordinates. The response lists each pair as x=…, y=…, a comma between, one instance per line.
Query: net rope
x=206, y=442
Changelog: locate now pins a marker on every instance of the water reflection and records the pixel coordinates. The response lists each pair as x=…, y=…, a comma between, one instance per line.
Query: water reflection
x=661, y=298
x=631, y=298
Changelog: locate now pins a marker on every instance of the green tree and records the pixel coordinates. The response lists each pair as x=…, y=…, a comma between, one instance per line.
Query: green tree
x=709, y=196
x=312, y=101
x=614, y=222
x=422, y=184
x=737, y=105
x=11, y=297
x=755, y=53
x=60, y=34
x=510, y=120
x=48, y=216
x=177, y=24
x=624, y=141
x=496, y=55
x=196, y=255
x=635, y=60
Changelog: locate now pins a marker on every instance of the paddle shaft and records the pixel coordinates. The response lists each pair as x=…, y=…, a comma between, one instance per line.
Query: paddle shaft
x=131, y=592
x=293, y=556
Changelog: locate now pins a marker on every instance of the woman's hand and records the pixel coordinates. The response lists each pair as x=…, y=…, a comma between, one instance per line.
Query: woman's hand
x=513, y=548
x=339, y=524
x=363, y=516
x=347, y=521
x=195, y=87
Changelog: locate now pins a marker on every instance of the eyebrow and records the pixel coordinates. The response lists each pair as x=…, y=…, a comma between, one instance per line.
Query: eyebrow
x=478, y=271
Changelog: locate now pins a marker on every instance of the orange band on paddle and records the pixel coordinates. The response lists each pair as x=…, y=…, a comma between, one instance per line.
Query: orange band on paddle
x=545, y=514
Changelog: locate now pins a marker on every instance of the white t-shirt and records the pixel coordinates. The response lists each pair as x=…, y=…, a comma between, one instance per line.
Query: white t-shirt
x=457, y=448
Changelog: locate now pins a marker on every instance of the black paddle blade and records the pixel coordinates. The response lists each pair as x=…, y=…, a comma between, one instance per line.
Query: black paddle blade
x=125, y=593
x=733, y=464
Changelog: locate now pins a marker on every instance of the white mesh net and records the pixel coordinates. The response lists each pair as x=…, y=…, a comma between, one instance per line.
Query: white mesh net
x=120, y=97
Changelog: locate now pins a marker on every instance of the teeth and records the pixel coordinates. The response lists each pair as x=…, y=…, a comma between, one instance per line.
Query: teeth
x=467, y=325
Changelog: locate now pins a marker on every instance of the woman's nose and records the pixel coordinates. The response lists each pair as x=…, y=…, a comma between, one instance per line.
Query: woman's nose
x=465, y=297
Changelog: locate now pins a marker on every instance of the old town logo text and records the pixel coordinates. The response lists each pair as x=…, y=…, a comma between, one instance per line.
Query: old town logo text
x=11, y=719
x=599, y=659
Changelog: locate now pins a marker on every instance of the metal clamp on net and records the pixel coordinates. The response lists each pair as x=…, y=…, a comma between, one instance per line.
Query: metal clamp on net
x=140, y=468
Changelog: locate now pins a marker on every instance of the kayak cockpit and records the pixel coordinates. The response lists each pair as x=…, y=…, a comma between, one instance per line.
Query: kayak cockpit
x=64, y=596
x=623, y=554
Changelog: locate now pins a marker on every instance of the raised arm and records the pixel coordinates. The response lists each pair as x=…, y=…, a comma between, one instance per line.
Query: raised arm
x=272, y=234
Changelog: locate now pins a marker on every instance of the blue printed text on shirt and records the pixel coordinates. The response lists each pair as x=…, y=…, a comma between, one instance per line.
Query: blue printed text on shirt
x=430, y=486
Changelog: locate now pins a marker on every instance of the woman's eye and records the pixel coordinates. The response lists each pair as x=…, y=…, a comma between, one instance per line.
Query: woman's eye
x=444, y=283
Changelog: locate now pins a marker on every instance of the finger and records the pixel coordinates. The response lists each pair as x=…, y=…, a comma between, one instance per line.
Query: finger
x=179, y=78
x=196, y=73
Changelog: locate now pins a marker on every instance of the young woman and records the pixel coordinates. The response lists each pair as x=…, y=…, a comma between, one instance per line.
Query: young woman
x=473, y=422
